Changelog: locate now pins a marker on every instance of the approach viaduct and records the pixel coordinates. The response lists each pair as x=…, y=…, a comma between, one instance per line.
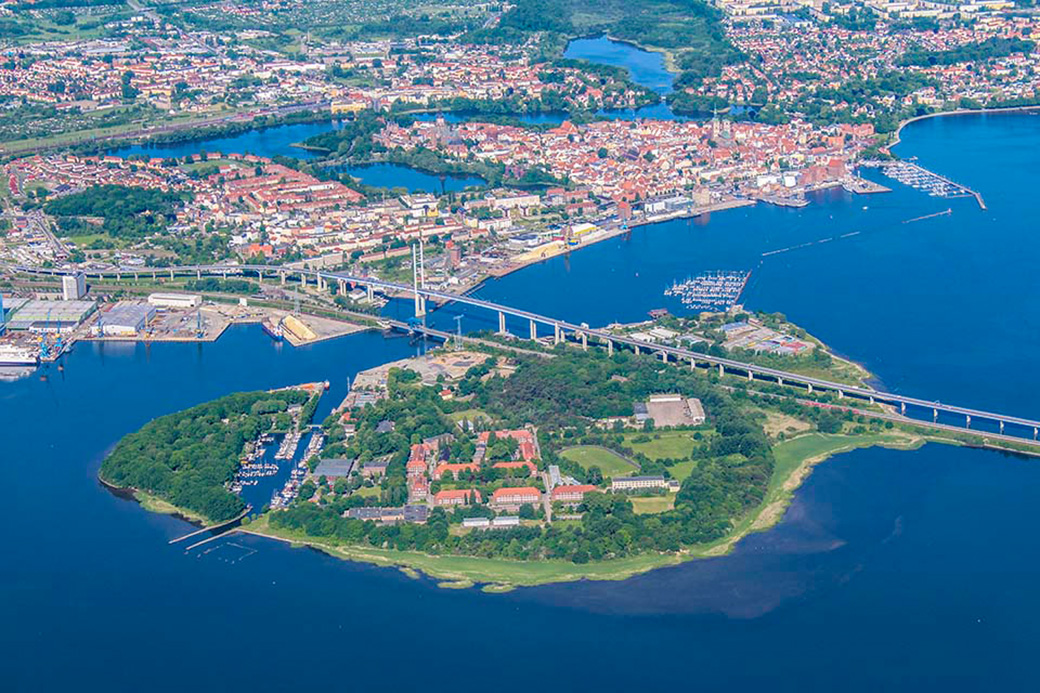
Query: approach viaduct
x=562, y=330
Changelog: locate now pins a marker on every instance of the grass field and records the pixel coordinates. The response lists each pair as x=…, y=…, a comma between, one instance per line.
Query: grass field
x=365, y=492
x=459, y=569
x=794, y=460
x=154, y=504
x=792, y=453
x=665, y=444
x=682, y=470
x=609, y=462
x=469, y=414
x=648, y=505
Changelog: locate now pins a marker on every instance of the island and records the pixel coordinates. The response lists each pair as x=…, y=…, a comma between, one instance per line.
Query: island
x=512, y=464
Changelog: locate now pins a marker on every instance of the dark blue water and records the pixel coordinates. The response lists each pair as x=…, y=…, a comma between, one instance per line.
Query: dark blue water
x=397, y=176
x=945, y=308
x=266, y=142
x=644, y=67
x=891, y=571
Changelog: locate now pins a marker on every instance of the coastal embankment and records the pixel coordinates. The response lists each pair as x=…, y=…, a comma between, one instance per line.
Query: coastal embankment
x=795, y=459
x=897, y=136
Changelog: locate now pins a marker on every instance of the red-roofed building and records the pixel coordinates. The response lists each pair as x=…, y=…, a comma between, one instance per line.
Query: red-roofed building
x=527, y=446
x=418, y=489
x=417, y=461
x=464, y=496
x=523, y=464
x=515, y=497
x=455, y=468
x=571, y=494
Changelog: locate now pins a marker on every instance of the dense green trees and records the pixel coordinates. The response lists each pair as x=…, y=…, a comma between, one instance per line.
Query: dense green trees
x=218, y=285
x=969, y=52
x=562, y=396
x=186, y=458
x=126, y=212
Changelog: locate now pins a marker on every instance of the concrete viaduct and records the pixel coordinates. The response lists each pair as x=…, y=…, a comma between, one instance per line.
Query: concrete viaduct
x=562, y=330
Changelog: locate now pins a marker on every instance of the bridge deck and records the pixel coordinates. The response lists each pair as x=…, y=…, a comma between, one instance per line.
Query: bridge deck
x=555, y=323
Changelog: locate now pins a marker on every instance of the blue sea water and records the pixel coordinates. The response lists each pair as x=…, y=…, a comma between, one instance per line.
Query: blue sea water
x=891, y=570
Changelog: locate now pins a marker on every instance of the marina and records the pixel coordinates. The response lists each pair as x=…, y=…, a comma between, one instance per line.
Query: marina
x=287, y=450
x=919, y=178
x=710, y=291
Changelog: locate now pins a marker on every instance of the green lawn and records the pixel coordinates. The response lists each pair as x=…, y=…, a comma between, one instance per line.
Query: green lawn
x=792, y=453
x=365, y=492
x=469, y=414
x=670, y=444
x=609, y=462
x=648, y=505
x=501, y=573
x=682, y=470
x=498, y=571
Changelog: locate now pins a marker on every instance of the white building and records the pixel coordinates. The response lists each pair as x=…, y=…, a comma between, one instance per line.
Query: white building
x=160, y=300
x=73, y=286
x=636, y=483
x=126, y=319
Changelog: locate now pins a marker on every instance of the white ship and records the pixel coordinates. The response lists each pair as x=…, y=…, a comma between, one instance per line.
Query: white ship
x=11, y=355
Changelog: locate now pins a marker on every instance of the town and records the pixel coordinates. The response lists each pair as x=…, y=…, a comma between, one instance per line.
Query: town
x=555, y=151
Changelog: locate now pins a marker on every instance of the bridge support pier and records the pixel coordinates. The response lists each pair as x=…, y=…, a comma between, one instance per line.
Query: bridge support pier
x=610, y=347
x=1035, y=432
x=935, y=415
x=637, y=349
x=810, y=388
x=1001, y=428
x=420, y=305
x=722, y=371
x=693, y=364
x=282, y=276
x=371, y=292
x=135, y=276
x=171, y=274
x=902, y=408
x=154, y=277
x=502, y=323
x=967, y=420
x=750, y=376
x=198, y=274
x=259, y=276
x=557, y=333
x=779, y=380
x=534, y=330
x=584, y=342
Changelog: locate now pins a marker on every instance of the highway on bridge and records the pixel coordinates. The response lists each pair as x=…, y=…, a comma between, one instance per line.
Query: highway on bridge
x=582, y=332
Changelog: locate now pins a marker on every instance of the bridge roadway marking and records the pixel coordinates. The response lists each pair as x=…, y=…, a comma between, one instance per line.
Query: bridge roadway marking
x=770, y=373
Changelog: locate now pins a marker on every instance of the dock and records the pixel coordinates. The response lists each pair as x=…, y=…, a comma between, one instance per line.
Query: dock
x=920, y=178
x=862, y=186
x=211, y=528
